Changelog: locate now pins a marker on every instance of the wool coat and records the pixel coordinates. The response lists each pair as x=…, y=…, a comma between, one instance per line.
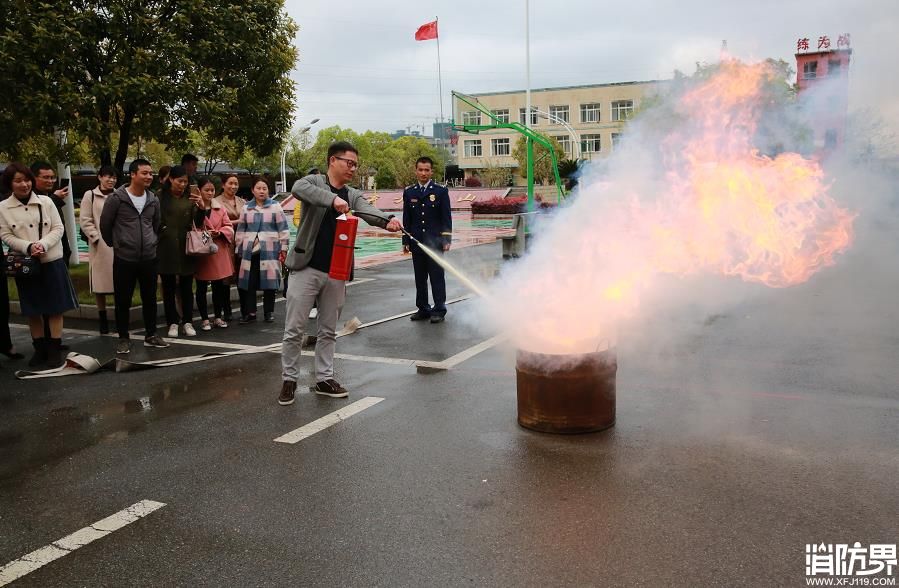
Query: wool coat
x=178, y=217
x=99, y=253
x=20, y=225
x=219, y=265
x=268, y=224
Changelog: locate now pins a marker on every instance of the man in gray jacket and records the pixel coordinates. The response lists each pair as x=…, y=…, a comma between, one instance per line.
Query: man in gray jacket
x=130, y=225
x=324, y=197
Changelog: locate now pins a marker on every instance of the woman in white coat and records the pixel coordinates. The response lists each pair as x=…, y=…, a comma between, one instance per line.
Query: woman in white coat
x=100, y=254
x=31, y=226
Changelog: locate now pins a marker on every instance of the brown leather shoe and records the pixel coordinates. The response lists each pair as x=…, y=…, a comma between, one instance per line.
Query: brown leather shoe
x=288, y=390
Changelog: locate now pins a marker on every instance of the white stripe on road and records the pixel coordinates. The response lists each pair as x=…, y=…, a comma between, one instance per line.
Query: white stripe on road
x=451, y=362
x=408, y=313
x=41, y=557
x=328, y=420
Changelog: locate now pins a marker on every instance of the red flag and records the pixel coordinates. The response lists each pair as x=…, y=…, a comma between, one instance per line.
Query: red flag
x=426, y=31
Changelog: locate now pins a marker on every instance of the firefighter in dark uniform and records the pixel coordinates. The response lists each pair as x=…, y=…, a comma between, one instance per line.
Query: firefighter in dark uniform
x=428, y=217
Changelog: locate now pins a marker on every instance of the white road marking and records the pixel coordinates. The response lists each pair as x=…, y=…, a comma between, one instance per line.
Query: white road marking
x=359, y=281
x=370, y=359
x=328, y=420
x=409, y=313
x=41, y=557
x=451, y=362
x=423, y=365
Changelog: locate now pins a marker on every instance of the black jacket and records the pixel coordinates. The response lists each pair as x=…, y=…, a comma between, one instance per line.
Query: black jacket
x=132, y=236
x=428, y=215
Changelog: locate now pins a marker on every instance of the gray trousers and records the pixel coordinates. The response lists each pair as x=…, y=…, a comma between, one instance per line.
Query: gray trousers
x=308, y=286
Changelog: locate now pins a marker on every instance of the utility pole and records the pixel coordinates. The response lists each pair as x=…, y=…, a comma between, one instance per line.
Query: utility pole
x=527, y=107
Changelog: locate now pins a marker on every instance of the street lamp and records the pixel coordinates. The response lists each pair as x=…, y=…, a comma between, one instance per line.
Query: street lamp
x=576, y=151
x=302, y=131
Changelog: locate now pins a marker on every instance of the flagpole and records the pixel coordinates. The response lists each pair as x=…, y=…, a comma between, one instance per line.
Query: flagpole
x=439, y=74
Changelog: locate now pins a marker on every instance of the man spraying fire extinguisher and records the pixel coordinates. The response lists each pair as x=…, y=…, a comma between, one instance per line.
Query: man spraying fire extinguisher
x=320, y=263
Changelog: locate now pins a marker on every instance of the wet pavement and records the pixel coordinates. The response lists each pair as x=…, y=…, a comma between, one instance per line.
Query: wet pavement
x=745, y=429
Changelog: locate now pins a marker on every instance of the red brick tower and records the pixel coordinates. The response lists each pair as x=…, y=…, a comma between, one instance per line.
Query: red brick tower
x=822, y=76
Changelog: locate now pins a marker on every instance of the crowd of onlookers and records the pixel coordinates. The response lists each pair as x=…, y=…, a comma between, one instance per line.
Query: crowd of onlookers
x=188, y=233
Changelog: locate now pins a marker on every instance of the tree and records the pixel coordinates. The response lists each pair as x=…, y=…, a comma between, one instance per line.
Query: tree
x=567, y=167
x=45, y=147
x=257, y=164
x=211, y=152
x=148, y=68
x=390, y=162
x=494, y=176
x=401, y=154
x=543, y=163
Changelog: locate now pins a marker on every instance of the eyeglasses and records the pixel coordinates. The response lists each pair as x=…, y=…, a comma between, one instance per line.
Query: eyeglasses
x=350, y=163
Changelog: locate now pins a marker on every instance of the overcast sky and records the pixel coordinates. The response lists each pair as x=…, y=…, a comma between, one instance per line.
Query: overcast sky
x=360, y=67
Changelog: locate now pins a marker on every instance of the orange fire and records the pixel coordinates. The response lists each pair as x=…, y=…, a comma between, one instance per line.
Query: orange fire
x=724, y=209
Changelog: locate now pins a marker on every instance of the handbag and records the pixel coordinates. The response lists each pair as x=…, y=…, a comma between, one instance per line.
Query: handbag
x=200, y=242
x=20, y=265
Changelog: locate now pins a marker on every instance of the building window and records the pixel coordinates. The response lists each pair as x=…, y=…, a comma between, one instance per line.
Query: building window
x=810, y=70
x=533, y=116
x=590, y=113
x=616, y=140
x=622, y=109
x=830, y=138
x=473, y=148
x=500, y=147
x=564, y=142
x=502, y=114
x=833, y=67
x=471, y=117
x=590, y=143
x=558, y=113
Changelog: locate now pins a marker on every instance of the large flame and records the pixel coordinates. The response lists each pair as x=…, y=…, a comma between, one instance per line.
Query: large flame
x=721, y=208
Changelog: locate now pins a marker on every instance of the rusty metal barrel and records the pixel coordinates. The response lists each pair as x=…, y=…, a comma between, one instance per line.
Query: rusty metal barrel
x=566, y=393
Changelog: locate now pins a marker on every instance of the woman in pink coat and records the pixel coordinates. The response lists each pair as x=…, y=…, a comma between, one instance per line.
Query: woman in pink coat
x=219, y=266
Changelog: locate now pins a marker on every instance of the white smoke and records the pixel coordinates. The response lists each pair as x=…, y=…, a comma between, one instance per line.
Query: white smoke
x=684, y=201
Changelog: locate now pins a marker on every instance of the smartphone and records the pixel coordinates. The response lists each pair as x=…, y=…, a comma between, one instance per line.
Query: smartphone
x=64, y=183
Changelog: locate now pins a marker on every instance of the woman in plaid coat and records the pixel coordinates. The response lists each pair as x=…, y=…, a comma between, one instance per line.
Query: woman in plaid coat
x=262, y=239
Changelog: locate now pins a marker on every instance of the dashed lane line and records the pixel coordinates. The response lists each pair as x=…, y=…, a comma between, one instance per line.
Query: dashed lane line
x=62, y=547
x=328, y=420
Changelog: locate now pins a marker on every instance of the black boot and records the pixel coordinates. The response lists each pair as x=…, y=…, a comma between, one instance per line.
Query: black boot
x=40, y=353
x=54, y=354
x=104, y=322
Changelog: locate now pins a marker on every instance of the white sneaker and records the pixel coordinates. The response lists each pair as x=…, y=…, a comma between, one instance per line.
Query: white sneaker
x=206, y=326
x=173, y=331
x=313, y=313
x=220, y=323
x=189, y=330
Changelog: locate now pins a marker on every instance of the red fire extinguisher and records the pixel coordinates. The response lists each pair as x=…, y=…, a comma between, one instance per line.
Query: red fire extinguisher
x=344, y=243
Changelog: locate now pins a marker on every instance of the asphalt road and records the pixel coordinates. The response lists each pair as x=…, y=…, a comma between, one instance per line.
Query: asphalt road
x=750, y=423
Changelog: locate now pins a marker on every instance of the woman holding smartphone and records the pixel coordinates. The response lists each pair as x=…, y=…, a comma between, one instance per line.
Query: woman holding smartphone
x=219, y=266
x=180, y=211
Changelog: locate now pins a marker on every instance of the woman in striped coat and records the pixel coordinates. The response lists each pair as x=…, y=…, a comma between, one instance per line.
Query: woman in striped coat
x=262, y=239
